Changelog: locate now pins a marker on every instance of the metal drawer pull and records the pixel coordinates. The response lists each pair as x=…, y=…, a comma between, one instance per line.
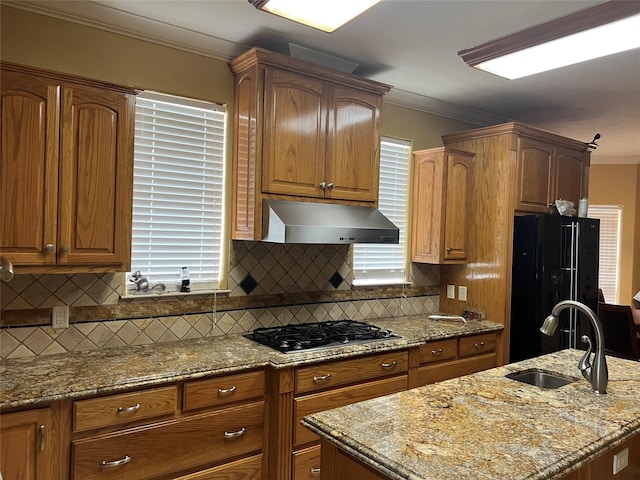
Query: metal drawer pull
x=322, y=378
x=227, y=391
x=237, y=433
x=132, y=409
x=42, y=439
x=315, y=471
x=116, y=463
x=436, y=352
x=479, y=345
x=389, y=365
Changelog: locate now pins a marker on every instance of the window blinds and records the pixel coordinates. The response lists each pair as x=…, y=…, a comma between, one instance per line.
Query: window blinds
x=178, y=214
x=375, y=264
x=610, y=224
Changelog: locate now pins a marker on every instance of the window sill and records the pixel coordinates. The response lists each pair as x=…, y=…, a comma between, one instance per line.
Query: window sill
x=379, y=283
x=174, y=293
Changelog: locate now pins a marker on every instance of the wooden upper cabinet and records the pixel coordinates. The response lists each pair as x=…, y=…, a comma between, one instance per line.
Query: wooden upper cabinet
x=571, y=174
x=29, y=168
x=353, y=146
x=548, y=172
x=441, y=206
x=67, y=173
x=96, y=178
x=294, y=134
x=301, y=132
x=535, y=176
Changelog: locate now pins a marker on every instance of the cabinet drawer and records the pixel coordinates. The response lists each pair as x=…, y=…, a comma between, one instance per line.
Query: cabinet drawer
x=477, y=344
x=306, y=464
x=438, y=351
x=343, y=372
x=245, y=469
x=337, y=398
x=175, y=445
x=438, y=372
x=124, y=408
x=223, y=390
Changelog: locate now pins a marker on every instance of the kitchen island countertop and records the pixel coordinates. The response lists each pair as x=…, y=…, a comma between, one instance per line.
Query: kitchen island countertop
x=487, y=427
x=28, y=382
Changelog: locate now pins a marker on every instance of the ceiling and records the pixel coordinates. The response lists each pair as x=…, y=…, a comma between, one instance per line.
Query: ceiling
x=413, y=46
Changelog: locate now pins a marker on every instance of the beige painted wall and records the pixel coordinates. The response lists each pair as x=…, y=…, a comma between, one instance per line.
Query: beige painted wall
x=619, y=184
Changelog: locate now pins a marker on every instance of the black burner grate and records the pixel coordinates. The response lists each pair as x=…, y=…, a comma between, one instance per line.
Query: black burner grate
x=305, y=336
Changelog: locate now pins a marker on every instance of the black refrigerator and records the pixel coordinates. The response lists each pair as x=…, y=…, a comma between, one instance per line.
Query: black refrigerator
x=554, y=258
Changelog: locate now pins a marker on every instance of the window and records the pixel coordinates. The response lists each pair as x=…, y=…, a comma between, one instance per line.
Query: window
x=610, y=223
x=386, y=264
x=178, y=191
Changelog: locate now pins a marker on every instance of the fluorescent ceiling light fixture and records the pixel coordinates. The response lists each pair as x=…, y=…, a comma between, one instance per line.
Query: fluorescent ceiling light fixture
x=325, y=15
x=595, y=32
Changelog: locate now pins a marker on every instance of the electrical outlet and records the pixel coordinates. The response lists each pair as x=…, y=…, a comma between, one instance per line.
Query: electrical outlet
x=451, y=291
x=60, y=316
x=620, y=460
x=462, y=293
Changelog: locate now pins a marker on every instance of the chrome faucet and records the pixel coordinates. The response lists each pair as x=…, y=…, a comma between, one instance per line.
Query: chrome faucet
x=596, y=374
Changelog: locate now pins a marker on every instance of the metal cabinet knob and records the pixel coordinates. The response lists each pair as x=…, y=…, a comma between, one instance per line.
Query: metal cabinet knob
x=330, y=186
x=65, y=249
x=49, y=248
x=322, y=185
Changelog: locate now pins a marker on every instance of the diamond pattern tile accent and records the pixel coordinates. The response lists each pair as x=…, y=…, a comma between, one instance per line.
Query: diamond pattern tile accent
x=248, y=284
x=336, y=279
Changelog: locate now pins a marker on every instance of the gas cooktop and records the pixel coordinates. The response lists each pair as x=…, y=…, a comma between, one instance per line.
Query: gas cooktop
x=311, y=336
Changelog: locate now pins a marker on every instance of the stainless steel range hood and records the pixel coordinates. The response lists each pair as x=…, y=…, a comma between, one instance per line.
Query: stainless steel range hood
x=305, y=222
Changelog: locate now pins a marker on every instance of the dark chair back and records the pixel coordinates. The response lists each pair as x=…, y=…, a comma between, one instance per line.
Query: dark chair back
x=620, y=338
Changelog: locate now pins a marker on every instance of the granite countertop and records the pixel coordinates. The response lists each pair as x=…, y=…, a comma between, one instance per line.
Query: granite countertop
x=487, y=427
x=30, y=381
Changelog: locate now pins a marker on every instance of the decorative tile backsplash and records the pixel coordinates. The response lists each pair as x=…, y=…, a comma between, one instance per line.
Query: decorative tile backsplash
x=279, y=275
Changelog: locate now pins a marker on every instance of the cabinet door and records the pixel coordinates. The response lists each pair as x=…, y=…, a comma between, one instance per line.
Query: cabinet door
x=353, y=145
x=456, y=218
x=29, y=169
x=535, y=176
x=428, y=174
x=96, y=178
x=26, y=446
x=571, y=175
x=294, y=134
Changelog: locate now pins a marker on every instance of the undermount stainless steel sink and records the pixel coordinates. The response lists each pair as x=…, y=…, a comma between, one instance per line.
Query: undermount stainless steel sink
x=541, y=378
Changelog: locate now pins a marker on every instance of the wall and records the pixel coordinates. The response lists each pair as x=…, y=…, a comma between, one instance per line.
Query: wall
x=292, y=283
x=619, y=184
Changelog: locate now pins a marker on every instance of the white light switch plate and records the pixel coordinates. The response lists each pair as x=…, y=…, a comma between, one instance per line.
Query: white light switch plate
x=451, y=291
x=462, y=293
x=620, y=460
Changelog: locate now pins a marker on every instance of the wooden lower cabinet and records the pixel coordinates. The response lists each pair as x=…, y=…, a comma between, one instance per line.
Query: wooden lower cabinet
x=444, y=359
x=306, y=463
x=339, y=397
x=180, y=444
x=27, y=446
x=206, y=429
